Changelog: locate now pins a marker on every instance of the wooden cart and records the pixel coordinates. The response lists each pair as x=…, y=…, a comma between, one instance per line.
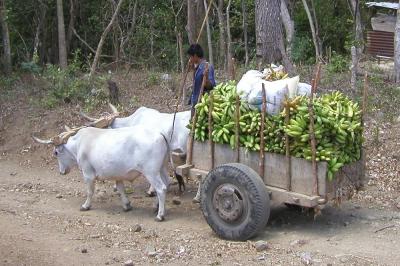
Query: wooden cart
x=235, y=199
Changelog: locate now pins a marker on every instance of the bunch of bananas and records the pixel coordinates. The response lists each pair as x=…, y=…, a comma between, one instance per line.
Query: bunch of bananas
x=337, y=126
x=273, y=75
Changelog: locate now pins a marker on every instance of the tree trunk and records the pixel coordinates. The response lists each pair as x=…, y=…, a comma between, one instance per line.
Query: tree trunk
x=314, y=13
x=39, y=27
x=245, y=37
x=228, y=38
x=73, y=9
x=5, y=37
x=180, y=43
x=102, y=39
x=354, y=66
x=115, y=36
x=125, y=40
x=313, y=32
x=62, y=49
x=191, y=21
x=222, y=39
x=209, y=41
x=397, y=48
x=268, y=31
x=288, y=23
x=359, y=39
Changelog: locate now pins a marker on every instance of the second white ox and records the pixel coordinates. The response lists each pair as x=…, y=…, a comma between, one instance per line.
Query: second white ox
x=117, y=154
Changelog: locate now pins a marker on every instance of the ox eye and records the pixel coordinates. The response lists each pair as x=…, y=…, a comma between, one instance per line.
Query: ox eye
x=55, y=153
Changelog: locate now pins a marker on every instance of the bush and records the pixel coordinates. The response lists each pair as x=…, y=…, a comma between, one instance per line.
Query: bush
x=303, y=50
x=72, y=86
x=338, y=64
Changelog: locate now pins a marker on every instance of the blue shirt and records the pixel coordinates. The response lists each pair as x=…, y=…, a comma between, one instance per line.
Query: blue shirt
x=198, y=80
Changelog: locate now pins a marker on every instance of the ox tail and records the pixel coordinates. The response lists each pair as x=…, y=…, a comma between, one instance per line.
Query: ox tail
x=179, y=178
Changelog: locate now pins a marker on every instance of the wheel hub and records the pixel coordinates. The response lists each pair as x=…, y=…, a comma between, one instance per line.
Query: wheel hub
x=228, y=202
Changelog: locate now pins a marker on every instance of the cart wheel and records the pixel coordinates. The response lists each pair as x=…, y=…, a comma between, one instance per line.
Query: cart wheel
x=234, y=201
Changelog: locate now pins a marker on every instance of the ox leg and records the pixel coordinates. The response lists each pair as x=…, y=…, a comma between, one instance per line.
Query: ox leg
x=161, y=190
x=161, y=195
x=89, y=195
x=126, y=204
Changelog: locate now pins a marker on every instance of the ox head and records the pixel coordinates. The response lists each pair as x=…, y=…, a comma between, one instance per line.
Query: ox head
x=64, y=157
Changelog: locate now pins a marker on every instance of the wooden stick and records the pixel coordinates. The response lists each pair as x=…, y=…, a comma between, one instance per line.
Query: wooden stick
x=237, y=129
x=287, y=146
x=262, y=142
x=194, y=120
x=188, y=63
x=312, y=138
x=210, y=129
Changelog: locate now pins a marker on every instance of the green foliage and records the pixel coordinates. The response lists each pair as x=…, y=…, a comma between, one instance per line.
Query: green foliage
x=152, y=79
x=31, y=67
x=303, y=50
x=338, y=64
x=70, y=86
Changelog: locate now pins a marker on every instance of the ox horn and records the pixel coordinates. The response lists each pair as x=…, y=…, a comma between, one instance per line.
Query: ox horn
x=67, y=128
x=87, y=117
x=113, y=108
x=48, y=141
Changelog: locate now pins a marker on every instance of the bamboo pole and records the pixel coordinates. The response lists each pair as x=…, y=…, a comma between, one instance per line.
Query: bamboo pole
x=233, y=68
x=237, y=128
x=188, y=64
x=194, y=120
x=262, y=142
x=312, y=139
x=287, y=147
x=210, y=130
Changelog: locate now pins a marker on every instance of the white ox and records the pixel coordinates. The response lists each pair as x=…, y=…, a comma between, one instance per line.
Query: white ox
x=116, y=154
x=161, y=122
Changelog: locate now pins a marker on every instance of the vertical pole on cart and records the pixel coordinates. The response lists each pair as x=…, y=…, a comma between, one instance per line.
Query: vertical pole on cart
x=237, y=129
x=312, y=139
x=262, y=142
x=210, y=129
x=189, y=159
x=287, y=147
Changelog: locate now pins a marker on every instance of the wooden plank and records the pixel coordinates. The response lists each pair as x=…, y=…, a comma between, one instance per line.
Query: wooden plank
x=279, y=195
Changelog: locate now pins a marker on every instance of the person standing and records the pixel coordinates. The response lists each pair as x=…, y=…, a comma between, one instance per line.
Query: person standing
x=199, y=65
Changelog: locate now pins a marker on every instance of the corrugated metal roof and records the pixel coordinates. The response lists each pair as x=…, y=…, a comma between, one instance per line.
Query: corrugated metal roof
x=380, y=43
x=383, y=4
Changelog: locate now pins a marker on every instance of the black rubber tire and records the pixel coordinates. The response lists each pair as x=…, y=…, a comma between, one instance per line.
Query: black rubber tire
x=253, y=191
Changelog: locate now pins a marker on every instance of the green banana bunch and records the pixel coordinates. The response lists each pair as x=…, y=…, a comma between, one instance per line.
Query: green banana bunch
x=337, y=126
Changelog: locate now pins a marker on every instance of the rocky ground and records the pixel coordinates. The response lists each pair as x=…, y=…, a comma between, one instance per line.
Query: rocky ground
x=40, y=221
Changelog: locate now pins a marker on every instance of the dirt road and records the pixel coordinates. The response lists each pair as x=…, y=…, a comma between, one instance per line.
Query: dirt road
x=40, y=224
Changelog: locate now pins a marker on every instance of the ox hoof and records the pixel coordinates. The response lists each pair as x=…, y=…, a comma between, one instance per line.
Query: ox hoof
x=196, y=200
x=150, y=194
x=84, y=209
x=159, y=219
x=127, y=207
